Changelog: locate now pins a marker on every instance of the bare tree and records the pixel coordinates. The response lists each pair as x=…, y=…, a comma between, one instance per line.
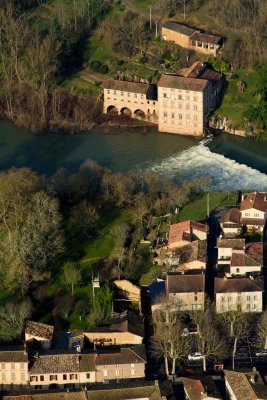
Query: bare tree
x=12, y=318
x=262, y=329
x=236, y=325
x=120, y=256
x=71, y=276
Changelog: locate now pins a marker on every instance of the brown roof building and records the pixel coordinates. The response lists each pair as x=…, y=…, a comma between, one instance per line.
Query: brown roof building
x=244, y=294
x=253, y=209
x=244, y=386
x=191, y=38
x=195, y=389
x=230, y=223
x=187, y=291
x=188, y=231
x=43, y=333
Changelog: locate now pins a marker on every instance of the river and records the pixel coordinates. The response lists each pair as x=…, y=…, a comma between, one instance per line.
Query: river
x=231, y=162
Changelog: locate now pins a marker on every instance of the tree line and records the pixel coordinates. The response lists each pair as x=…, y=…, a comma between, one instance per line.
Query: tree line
x=34, y=58
x=43, y=218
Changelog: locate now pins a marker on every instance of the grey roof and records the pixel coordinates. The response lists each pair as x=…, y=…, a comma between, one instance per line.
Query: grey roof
x=122, y=356
x=56, y=363
x=175, y=26
x=180, y=82
x=13, y=354
x=237, y=244
x=41, y=330
x=126, y=390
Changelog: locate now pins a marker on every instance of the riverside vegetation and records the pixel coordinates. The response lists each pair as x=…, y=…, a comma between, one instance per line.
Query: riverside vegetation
x=48, y=48
x=55, y=232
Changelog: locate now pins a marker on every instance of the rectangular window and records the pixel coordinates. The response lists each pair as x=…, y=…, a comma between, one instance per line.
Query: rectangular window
x=129, y=94
x=105, y=373
x=12, y=366
x=248, y=307
x=195, y=108
x=142, y=96
x=3, y=366
x=229, y=299
x=147, y=102
x=173, y=115
x=164, y=95
x=180, y=97
x=22, y=365
x=195, y=298
x=115, y=92
x=255, y=298
x=165, y=115
x=22, y=376
x=256, y=215
x=195, y=117
x=237, y=270
x=195, y=98
x=108, y=91
x=248, y=298
x=117, y=372
x=132, y=372
x=3, y=376
x=87, y=376
x=42, y=378
x=13, y=376
x=53, y=377
x=180, y=116
x=64, y=377
x=135, y=95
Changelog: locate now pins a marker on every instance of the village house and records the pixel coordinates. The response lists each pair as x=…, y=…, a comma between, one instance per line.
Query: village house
x=242, y=264
x=129, y=291
x=13, y=367
x=253, y=209
x=72, y=370
x=187, y=231
x=255, y=251
x=191, y=38
x=225, y=249
x=232, y=294
x=244, y=386
x=43, y=333
x=127, y=328
x=230, y=223
x=187, y=291
x=180, y=103
x=200, y=389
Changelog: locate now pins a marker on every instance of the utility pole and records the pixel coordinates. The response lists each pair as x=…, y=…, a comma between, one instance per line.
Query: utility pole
x=208, y=204
x=150, y=13
x=184, y=9
x=156, y=29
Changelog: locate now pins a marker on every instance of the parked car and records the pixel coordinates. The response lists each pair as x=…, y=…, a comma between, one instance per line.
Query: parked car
x=261, y=353
x=195, y=356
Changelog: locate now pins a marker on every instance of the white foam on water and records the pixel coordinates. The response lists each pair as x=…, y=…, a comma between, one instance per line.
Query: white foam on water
x=226, y=174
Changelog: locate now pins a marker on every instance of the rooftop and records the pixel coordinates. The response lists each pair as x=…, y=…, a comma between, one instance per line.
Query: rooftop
x=185, y=231
x=180, y=82
x=231, y=216
x=40, y=330
x=206, y=38
x=175, y=26
x=237, y=244
x=255, y=200
x=134, y=355
x=13, y=354
x=126, y=86
x=177, y=283
x=246, y=386
x=237, y=285
x=55, y=363
x=255, y=250
x=240, y=259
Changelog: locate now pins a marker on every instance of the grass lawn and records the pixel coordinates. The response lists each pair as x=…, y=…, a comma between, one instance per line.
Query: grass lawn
x=80, y=86
x=196, y=209
x=144, y=4
x=234, y=103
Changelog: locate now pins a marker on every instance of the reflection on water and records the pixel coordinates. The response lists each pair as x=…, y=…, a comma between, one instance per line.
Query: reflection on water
x=231, y=162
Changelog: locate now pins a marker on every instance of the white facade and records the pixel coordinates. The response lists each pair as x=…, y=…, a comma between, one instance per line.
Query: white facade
x=224, y=255
x=13, y=373
x=245, y=302
x=255, y=215
x=181, y=111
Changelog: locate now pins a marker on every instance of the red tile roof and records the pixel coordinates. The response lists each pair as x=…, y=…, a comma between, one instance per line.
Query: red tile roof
x=255, y=200
x=255, y=250
x=240, y=259
x=231, y=216
x=182, y=231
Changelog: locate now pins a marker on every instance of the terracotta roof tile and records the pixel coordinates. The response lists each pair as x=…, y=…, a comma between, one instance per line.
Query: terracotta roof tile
x=178, y=231
x=126, y=86
x=255, y=200
x=240, y=259
x=40, y=330
x=231, y=216
x=255, y=251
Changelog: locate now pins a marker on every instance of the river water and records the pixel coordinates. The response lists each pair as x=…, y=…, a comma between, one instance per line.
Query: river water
x=231, y=162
